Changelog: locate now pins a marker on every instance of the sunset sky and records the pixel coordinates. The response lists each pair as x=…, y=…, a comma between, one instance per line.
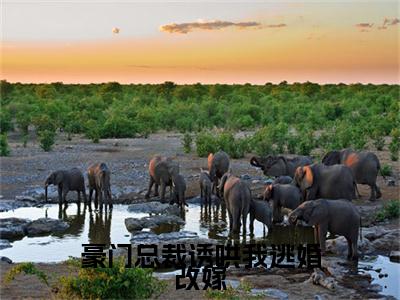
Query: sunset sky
x=200, y=41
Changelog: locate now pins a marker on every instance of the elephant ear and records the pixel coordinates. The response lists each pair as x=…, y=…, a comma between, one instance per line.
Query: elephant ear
x=331, y=158
x=308, y=178
x=298, y=176
x=268, y=193
x=221, y=185
x=285, y=162
x=317, y=214
x=58, y=177
x=209, y=161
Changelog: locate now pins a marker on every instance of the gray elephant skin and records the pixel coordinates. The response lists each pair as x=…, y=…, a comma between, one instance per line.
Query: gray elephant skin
x=339, y=217
x=329, y=182
x=205, y=186
x=364, y=165
x=99, y=176
x=67, y=180
x=179, y=189
x=280, y=165
x=218, y=165
x=283, y=180
x=237, y=196
x=161, y=170
x=260, y=211
x=282, y=195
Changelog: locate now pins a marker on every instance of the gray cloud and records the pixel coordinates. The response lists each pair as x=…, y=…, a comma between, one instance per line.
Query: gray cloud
x=184, y=28
x=364, y=25
x=276, y=25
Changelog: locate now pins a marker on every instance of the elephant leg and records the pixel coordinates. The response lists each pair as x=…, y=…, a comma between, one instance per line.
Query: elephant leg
x=230, y=220
x=156, y=190
x=60, y=196
x=90, y=194
x=316, y=234
x=252, y=223
x=163, y=187
x=349, y=248
x=244, y=221
x=372, y=197
x=355, y=249
x=64, y=195
x=79, y=197
x=235, y=220
x=322, y=231
x=96, y=198
x=84, y=194
x=149, y=189
x=378, y=191
x=201, y=193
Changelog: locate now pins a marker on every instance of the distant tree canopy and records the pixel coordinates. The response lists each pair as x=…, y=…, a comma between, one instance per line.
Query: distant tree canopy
x=119, y=110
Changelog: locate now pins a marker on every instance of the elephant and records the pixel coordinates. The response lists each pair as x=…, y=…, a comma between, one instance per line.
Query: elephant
x=99, y=181
x=179, y=189
x=364, y=165
x=283, y=180
x=161, y=170
x=205, y=186
x=218, y=165
x=260, y=211
x=237, y=198
x=67, y=180
x=282, y=195
x=280, y=165
x=330, y=182
x=339, y=217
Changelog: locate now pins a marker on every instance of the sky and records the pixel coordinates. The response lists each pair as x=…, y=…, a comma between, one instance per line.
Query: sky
x=194, y=41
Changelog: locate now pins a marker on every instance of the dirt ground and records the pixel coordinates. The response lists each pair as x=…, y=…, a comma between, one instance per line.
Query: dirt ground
x=27, y=168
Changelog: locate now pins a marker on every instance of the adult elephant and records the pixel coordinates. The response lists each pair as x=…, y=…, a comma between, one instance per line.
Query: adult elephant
x=365, y=166
x=99, y=181
x=237, y=198
x=67, y=180
x=329, y=182
x=218, y=165
x=279, y=165
x=162, y=170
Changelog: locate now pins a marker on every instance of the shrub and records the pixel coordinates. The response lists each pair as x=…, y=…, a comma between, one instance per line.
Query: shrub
x=394, y=145
x=205, y=144
x=46, y=139
x=5, y=121
x=187, y=140
x=306, y=143
x=92, y=131
x=262, y=142
x=386, y=170
x=390, y=210
x=116, y=282
x=4, y=148
x=26, y=268
x=378, y=140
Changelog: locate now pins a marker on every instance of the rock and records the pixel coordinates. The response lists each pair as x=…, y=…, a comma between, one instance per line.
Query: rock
x=179, y=235
x=133, y=224
x=391, y=182
x=271, y=293
x=170, y=237
x=320, y=278
x=255, y=181
x=11, y=228
x=372, y=233
x=6, y=259
x=339, y=246
x=25, y=198
x=388, y=242
x=394, y=256
x=4, y=244
x=6, y=205
x=144, y=238
x=375, y=288
x=245, y=177
x=45, y=226
x=260, y=282
x=154, y=207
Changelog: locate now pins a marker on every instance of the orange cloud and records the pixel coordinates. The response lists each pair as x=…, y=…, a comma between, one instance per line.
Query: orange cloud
x=184, y=28
x=364, y=25
x=276, y=25
x=389, y=22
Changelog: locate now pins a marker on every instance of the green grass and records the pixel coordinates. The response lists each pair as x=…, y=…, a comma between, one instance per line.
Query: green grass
x=27, y=268
x=390, y=210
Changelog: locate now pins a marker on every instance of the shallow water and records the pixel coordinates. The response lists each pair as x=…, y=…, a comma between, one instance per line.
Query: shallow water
x=109, y=227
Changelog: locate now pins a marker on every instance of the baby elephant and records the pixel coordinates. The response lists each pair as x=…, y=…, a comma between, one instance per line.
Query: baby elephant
x=99, y=181
x=237, y=197
x=282, y=195
x=260, y=211
x=205, y=186
x=336, y=216
x=67, y=180
x=179, y=189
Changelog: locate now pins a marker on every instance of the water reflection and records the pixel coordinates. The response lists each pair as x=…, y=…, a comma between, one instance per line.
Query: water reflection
x=100, y=227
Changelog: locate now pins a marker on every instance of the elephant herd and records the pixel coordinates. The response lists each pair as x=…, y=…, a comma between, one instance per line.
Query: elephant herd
x=318, y=193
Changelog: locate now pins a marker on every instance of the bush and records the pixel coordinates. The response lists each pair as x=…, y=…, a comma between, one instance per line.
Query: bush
x=205, y=144
x=116, y=282
x=92, y=131
x=378, y=140
x=5, y=121
x=386, y=170
x=46, y=139
x=26, y=268
x=4, y=148
x=390, y=210
x=262, y=142
x=187, y=142
x=394, y=145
